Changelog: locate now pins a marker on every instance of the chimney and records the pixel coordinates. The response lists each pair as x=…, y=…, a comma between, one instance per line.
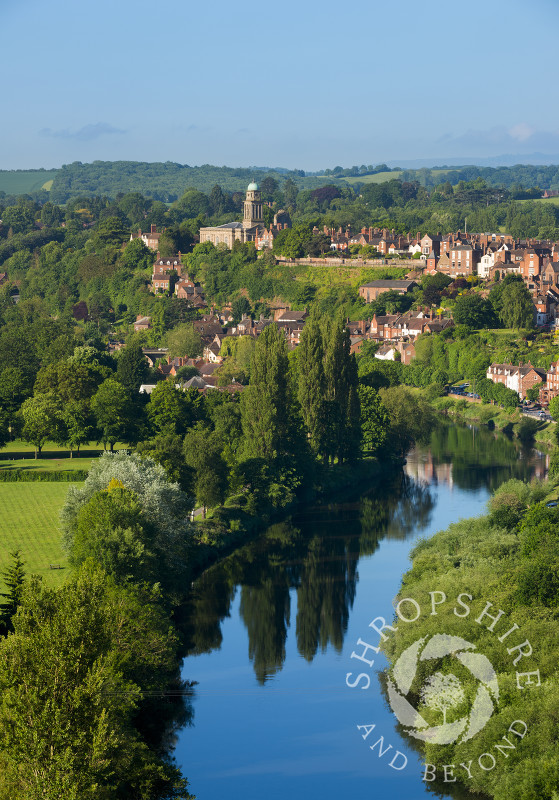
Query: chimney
x=153, y=228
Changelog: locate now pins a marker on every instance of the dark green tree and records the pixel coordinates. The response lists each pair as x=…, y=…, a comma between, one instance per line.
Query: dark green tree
x=341, y=393
x=474, y=311
x=266, y=402
x=311, y=388
x=202, y=452
x=374, y=420
x=14, y=578
x=42, y=420
x=114, y=414
x=132, y=367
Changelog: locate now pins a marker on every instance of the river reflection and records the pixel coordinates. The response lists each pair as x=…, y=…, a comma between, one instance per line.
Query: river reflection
x=287, y=607
x=314, y=553
x=473, y=458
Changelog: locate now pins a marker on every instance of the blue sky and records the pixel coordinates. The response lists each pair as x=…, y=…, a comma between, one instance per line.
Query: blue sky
x=304, y=85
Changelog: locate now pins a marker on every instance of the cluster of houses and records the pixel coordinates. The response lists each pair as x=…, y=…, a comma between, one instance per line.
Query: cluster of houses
x=168, y=275
x=523, y=377
x=488, y=256
x=214, y=329
x=457, y=255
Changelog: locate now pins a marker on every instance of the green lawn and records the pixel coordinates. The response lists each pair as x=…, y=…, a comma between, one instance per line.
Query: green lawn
x=554, y=201
x=29, y=514
x=24, y=181
x=381, y=177
x=52, y=456
x=50, y=464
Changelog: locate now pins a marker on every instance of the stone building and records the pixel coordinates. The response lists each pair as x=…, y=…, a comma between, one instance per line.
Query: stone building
x=246, y=231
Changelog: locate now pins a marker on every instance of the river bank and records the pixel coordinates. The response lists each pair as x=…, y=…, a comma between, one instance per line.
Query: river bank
x=527, y=429
x=230, y=526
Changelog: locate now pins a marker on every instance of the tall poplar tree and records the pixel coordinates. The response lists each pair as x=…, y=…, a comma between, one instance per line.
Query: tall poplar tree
x=342, y=409
x=311, y=390
x=266, y=402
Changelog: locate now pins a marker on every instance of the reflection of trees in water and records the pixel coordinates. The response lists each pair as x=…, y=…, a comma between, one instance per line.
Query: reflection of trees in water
x=480, y=457
x=316, y=555
x=317, y=552
x=406, y=511
x=265, y=610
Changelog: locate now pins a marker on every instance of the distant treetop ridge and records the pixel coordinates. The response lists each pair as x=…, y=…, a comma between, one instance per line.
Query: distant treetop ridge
x=168, y=181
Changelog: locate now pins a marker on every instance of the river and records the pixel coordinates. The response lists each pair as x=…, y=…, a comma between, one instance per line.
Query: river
x=273, y=627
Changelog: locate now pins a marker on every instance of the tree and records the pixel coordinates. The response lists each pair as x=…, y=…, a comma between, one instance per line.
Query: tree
x=474, y=311
x=42, y=420
x=341, y=393
x=132, y=366
x=79, y=424
x=166, y=449
x=111, y=232
x=137, y=256
x=113, y=413
x=374, y=420
x=517, y=309
x=554, y=408
x=311, y=385
x=71, y=679
x=15, y=387
x=184, y=341
x=265, y=403
x=51, y=216
x=166, y=409
x=112, y=529
x=163, y=520
x=14, y=578
x=219, y=202
x=240, y=307
x=411, y=418
x=290, y=192
x=202, y=452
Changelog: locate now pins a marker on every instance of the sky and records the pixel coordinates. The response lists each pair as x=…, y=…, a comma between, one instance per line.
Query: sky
x=303, y=85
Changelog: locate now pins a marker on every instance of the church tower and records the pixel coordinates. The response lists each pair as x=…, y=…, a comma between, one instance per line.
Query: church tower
x=253, y=207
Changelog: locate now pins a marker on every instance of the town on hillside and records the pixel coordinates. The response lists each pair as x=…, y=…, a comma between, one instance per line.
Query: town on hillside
x=469, y=261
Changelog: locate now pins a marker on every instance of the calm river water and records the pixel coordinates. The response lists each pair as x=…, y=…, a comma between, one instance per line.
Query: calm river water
x=274, y=625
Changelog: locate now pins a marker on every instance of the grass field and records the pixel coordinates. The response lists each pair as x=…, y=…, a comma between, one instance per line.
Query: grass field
x=29, y=514
x=381, y=177
x=22, y=455
x=50, y=464
x=23, y=181
x=554, y=201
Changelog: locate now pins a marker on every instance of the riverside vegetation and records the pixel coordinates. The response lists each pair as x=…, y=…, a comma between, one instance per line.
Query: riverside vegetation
x=508, y=558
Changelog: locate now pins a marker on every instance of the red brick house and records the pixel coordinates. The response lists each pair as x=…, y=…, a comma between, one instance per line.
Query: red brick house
x=550, y=388
x=518, y=378
x=371, y=291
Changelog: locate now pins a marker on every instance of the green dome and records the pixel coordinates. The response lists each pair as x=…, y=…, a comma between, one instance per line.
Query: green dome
x=252, y=187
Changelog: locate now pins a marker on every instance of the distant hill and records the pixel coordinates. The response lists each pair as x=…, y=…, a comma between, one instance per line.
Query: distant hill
x=162, y=181
x=28, y=181
x=168, y=181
